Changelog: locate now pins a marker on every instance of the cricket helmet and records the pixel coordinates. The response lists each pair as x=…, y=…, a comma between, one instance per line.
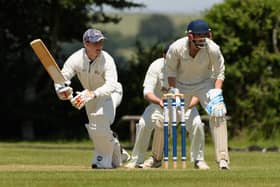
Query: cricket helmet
x=197, y=28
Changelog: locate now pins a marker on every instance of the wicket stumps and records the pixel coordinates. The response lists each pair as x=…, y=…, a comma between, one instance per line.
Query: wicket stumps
x=166, y=98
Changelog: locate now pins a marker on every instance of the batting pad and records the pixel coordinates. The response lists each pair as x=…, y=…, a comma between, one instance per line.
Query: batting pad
x=157, y=146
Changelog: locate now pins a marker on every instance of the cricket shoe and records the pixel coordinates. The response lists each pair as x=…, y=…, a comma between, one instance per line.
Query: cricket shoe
x=223, y=165
x=125, y=156
x=130, y=164
x=201, y=164
x=152, y=163
x=133, y=164
x=95, y=166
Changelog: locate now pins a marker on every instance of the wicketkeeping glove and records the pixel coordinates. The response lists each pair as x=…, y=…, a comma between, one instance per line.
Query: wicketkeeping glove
x=64, y=91
x=216, y=106
x=82, y=98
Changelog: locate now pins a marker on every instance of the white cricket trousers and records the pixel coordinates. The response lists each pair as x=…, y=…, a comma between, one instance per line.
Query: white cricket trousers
x=101, y=114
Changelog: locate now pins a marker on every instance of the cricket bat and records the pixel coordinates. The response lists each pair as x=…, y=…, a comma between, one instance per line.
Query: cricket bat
x=48, y=61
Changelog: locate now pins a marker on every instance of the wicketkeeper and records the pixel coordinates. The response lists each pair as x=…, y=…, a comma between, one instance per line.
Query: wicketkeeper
x=195, y=65
x=154, y=86
x=102, y=93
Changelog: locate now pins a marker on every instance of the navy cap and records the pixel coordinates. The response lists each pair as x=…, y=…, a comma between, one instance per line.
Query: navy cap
x=198, y=27
x=93, y=35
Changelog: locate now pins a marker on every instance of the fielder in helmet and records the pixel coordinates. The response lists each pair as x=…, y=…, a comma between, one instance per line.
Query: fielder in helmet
x=195, y=66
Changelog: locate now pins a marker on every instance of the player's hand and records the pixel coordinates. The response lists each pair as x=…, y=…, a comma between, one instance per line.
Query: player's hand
x=177, y=98
x=174, y=90
x=64, y=91
x=216, y=106
x=82, y=98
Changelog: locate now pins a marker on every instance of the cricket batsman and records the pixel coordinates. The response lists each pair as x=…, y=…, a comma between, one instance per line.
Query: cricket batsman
x=195, y=66
x=102, y=93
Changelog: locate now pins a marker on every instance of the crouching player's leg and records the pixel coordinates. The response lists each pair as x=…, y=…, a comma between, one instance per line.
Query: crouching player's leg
x=142, y=141
x=157, y=147
x=158, y=143
x=219, y=134
x=217, y=110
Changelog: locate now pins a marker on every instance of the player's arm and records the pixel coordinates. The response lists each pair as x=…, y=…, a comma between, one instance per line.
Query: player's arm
x=110, y=77
x=194, y=101
x=218, y=84
x=151, y=97
x=171, y=66
x=217, y=60
x=64, y=91
x=150, y=84
x=216, y=106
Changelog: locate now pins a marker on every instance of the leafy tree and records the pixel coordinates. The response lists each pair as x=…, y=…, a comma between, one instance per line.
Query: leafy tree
x=156, y=28
x=133, y=77
x=248, y=33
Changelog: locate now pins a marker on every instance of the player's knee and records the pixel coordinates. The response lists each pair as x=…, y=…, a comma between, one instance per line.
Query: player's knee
x=99, y=127
x=217, y=121
x=200, y=125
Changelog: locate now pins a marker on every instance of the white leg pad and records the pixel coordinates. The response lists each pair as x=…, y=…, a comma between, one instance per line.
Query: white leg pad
x=220, y=137
x=116, y=157
x=157, y=146
x=103, y=140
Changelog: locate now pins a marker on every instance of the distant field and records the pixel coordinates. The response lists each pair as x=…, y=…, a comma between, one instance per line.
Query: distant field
x=68, y=164
x=122, y=36
x=129, y=25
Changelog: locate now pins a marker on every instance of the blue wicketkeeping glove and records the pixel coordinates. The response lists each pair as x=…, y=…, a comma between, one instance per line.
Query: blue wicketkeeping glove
x=216, y=106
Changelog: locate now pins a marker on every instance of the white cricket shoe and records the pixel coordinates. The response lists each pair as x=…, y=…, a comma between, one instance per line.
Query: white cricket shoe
x=133, y=164
x=152, y=163
x=130, y=165
x=223, y=165
x=125, y=156
x=201, y=164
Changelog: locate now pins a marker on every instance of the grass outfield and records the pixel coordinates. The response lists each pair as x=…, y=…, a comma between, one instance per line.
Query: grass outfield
x=68, y=164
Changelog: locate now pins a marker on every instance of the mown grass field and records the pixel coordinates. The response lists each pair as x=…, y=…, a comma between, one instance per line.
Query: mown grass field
x=68, y=164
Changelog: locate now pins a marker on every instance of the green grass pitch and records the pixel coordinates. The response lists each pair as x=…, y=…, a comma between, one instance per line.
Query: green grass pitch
x=28, y=164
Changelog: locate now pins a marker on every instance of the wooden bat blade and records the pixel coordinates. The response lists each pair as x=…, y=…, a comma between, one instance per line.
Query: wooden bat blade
x=47, y=60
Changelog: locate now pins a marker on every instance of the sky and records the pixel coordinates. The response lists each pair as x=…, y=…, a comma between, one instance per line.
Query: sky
x=174, y=6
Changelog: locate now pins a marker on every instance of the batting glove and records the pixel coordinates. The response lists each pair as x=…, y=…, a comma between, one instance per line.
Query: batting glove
x=82, y=98
x=64, y=91
x=216, y=106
